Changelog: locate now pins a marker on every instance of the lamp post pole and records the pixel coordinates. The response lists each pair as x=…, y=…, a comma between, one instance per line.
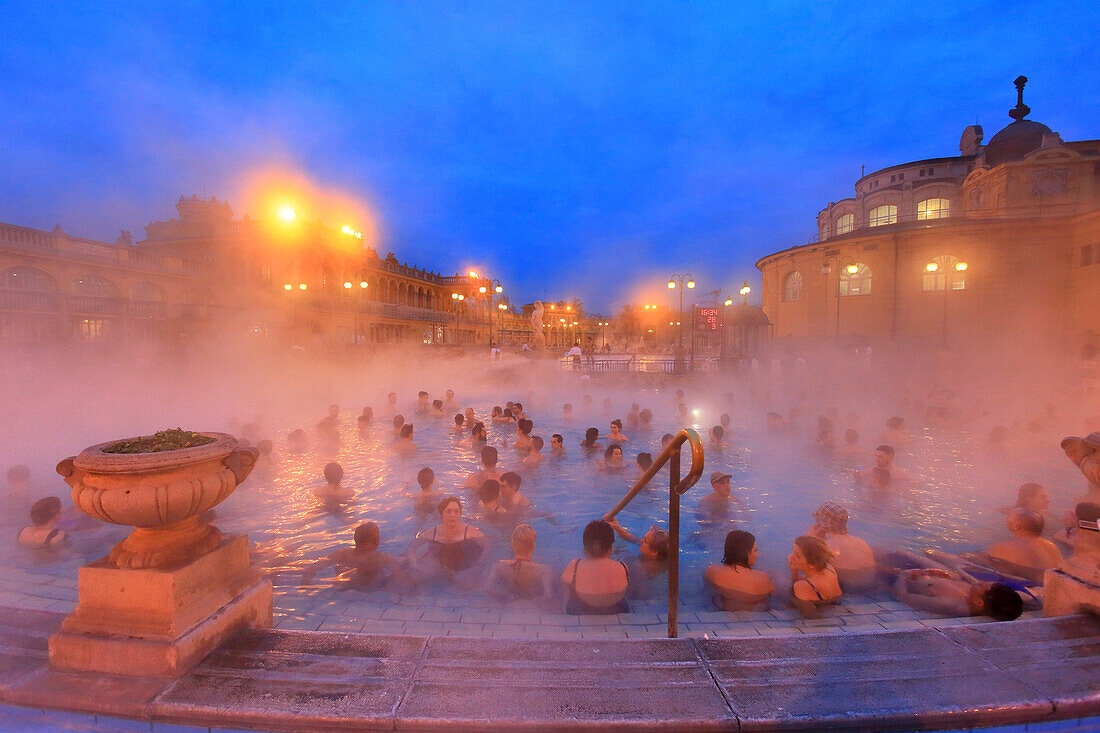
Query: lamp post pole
x=934, y=267
x=678, y=280
x=489, y=290
x=851, y=269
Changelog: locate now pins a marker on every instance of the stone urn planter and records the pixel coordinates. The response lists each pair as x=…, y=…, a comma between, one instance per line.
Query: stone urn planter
x=162, y=494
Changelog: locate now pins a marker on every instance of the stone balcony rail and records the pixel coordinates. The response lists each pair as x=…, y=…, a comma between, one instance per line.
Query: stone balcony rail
x=94, y=305
x=29, y=300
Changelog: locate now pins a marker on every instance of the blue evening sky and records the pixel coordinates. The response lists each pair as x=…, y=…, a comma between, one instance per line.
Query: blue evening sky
x=573, y=149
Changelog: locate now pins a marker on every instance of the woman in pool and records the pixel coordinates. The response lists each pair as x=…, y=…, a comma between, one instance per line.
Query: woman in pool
x=616, y=435
x=814, y=581
x=737, y=586
x=589, y=443
x=613, y=458
x=450, y=547
x=596, y=584
x=520, y=578
x=42, y=533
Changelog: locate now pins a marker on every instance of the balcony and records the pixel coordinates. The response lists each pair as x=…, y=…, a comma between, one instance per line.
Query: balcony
x=91, y=305
x=29, y=300
x=146, y=309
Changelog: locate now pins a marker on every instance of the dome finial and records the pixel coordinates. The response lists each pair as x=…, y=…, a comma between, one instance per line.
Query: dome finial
x=1020, y=110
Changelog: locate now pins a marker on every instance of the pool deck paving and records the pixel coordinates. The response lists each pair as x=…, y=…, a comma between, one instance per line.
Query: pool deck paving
x=1040, y=672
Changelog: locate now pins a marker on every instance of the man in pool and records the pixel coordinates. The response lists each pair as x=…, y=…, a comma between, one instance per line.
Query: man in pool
x=488, y=470
x=557, y=445
x=1028, y=554
x=371, y=566
x=929, y=587
x=423, y=404
x=718, y=503
x=332, y=491
x=405, y=442
x=449, y=400
x=391, y=404
x=852, y=557
x=427, y=499
x=884, y=458
x=534, y=456
x=510, y=498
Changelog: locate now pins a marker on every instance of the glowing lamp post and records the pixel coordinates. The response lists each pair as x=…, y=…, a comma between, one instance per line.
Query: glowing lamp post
x=457, y=298
x=489, y=290
x=679, y=281
x=851, y=268
x=348, y=285
x=933, y=268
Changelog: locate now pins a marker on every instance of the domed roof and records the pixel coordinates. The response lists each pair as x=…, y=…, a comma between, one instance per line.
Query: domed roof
x=1020, y=137
x=747, y=315
x=1015, y=141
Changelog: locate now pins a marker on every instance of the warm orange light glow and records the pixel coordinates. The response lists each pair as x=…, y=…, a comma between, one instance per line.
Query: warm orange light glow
x=500, y=289
x=960, y=266
x=745, y=289
x=472, y=273
x=481, y=289
x=569, y=307
x=691, y=284
x=287, y=286
x=852, y=269
x=347, y=285
x=286, y=213
x=301, y=286
x=362, y=283
x=931, y=267
x=671, y=285
x=552, y=306
x=729, y=301
x=351, y=232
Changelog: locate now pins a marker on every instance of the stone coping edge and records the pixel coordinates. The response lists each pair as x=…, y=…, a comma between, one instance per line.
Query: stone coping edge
x=26, y=679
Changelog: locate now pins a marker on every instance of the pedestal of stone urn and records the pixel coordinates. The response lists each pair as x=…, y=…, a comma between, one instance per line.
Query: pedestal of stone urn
x=176, y=588
x=160, y=622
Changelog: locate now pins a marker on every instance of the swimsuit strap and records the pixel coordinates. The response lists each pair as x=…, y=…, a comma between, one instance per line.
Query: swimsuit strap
x=51, y=535
x=814, y=589
x=573, y=582
x=465, y=531
x=434, y=530
x=626, y=572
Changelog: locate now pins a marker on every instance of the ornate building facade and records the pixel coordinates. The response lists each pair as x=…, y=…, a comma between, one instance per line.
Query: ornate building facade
x=291, y=280
x=1001, y=242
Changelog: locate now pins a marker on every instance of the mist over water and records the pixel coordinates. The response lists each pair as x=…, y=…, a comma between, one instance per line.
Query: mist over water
x=56, y=403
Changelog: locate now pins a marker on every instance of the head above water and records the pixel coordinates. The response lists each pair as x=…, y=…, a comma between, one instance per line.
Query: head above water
x=556, y=440
x=895, y=423
x=739, y=549
x=407, y=431
x=512, y=480
x=425, y=477
x=1025, y=522
x=45, y=510
x=334, y=472
x=525, y=426
x=489, y=491
x=489, y=456
x=724, y=420
x=536, y=443
x=613, y=452
x=367, y=536
x=832, y=517
x=1001, y=602
x=598, y=539
x=1033, y=496
x=814, y=551
x=644, y=460
x=449, y=503
x=459, y=419
x=591, y=435
x=523, y=540
x=398, y=421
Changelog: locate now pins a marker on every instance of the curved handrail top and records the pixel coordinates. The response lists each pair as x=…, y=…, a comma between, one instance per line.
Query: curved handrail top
x=686, y=435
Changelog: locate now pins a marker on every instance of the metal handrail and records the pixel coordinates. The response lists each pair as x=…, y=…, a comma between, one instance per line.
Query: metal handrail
x=676, y=488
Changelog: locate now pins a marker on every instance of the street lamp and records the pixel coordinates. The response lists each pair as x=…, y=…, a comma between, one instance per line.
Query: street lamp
x=348, y=285
x=745, y=290
x=679, y=281
x=489, y=290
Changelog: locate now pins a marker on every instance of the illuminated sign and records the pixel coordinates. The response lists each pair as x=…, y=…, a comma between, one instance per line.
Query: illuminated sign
x=706, y=319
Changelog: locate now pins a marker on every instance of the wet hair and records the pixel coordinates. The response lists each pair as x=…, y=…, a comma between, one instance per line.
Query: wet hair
x=264, y=446
x=523, y=539
x=558, y=436
x=489, y=491
x=448, y=500
x=1027, y=494
x=518, y=407
x=538, y=442
x=43, y=510
x=459, y=419
x=525, y=426
x=407, y=430
x=297, y=436
x=507, y=412
x=851, y=436
x=367, y=535
x=478, y=428
x=666, y=439
x=644, y=461
x=421, y=393
x=512, y=479
x=895, y=423
x=659, y=544
x=1003, y=603
x=19, y=473
x=739, y=544
x=724, y=419
x=1030, y=522
x=598, y=538
x=611, y=449
x=437, y=404
x=815, y=551
x=497, y=411
x=887, y=449
x=425, y=477
x=617, y=423
x=489, y=456
x=717, y=432
x=398, y=420
x=591, y=435
x=334, y=472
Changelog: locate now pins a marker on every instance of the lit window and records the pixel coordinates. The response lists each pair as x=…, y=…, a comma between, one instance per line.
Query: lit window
x=792, y=287
x=855, y=279
x=933, y=209
x=845, y=224
x=942, y=270
x=881, y=215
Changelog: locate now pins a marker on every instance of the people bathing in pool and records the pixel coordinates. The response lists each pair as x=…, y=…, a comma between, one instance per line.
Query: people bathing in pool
x=612, y=458
x=520, y=578
x=716, y=435
x=653, y=546
x=488, y=504
x=398, y=423
x=297, y=441
x=423, y=404
x=644, y=461
x=896, y=434
x=331, y=490
x=450, y=548
x=616, y=435
x=589, y=443
x=510, y=497
x=426, y=500
x=449, y=400
x=557, y=445
x=720, y=501
x=534, y=455
x=814, y=582
x=1028, y=554
x=371, y=566
x=459, y=426
x=928, y=586
x=42, y=533
x=596, y=584
x=884, y=458
x=736, y=586
x=852, y=557
x=488, y=470
x=405, y=442
x=523, y=435
x=478, y=436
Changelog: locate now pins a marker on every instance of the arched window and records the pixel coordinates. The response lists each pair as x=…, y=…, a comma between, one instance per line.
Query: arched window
x=792, y=287
x=880, y=215
x=946, y=272
x=149, y=292
x=933, y=209
x=855, y=279
x=392, y=297
x=845, y=224
x=28, y=278
x=94, y=286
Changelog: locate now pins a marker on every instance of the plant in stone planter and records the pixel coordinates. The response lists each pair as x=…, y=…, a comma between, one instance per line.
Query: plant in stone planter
x=160, y=484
